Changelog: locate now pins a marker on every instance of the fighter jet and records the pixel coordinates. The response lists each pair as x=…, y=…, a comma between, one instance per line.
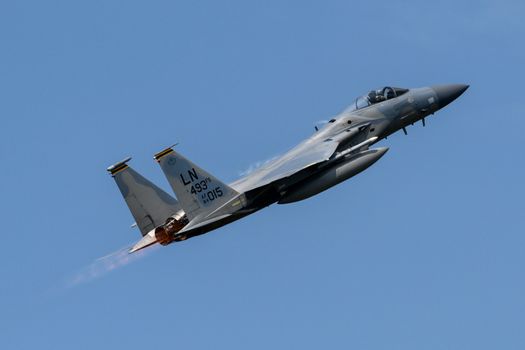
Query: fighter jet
x=334, y=153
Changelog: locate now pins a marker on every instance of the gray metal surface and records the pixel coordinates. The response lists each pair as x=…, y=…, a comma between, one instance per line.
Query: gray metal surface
x=307, y=153
x=149, y=205
x=198, y=192
x=334, y=153
x=333, y=175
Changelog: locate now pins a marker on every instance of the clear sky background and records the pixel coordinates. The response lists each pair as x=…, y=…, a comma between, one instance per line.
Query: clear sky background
x=424, y=250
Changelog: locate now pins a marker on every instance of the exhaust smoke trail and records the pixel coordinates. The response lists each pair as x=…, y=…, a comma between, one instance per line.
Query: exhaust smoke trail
x=104, y=265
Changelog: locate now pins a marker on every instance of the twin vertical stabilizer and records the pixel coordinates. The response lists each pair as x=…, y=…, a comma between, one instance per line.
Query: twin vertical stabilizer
x=149, y=205
x=198, y=192
x=202, y=199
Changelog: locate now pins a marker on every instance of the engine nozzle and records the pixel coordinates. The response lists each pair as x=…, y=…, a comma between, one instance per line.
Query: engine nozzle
x=167, y=233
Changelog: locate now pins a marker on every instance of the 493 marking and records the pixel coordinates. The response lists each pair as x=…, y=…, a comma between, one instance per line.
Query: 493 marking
x=200, y=186
x=207, y=194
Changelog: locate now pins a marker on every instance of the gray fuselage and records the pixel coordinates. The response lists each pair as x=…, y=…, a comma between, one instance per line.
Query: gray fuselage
x=360, y=124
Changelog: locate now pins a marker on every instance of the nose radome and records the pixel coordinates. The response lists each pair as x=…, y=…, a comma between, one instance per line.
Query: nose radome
x=448, y=93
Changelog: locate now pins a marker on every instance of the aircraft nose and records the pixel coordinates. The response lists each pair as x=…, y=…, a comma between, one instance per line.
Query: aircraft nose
x=448, y=93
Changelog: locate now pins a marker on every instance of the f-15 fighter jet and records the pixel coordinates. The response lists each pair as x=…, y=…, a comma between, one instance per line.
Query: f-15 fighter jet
x=334, y=153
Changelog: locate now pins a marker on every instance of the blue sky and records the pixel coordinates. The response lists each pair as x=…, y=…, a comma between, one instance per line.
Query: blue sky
x=422, y=251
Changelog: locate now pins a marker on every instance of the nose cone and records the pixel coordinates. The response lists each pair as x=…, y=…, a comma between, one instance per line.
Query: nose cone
x=448, y=93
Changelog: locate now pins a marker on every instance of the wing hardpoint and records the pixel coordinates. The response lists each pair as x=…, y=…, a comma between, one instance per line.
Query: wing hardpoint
x=149, y=205
x=200, y=193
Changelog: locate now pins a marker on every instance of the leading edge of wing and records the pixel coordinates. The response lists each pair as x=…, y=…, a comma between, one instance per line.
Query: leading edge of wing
x=302, y=156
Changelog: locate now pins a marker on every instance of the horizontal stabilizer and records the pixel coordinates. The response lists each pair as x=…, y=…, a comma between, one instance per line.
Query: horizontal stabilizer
x=148, y=239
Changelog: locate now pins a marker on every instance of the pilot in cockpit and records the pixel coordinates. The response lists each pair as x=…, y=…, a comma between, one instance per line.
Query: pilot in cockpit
x=380, y=95
x=375, y=96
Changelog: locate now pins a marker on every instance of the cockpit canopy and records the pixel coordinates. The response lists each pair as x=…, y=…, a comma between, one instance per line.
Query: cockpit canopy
x=376, y=96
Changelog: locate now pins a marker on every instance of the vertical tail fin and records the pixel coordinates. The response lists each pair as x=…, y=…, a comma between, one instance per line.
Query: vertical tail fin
x=199, y=192
x=149, y=205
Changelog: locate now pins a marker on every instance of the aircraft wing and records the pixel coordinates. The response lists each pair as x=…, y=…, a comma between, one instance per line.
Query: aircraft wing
x=305, y=154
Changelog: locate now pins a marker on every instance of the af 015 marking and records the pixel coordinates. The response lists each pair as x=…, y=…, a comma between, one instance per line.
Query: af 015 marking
x=211, y=195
